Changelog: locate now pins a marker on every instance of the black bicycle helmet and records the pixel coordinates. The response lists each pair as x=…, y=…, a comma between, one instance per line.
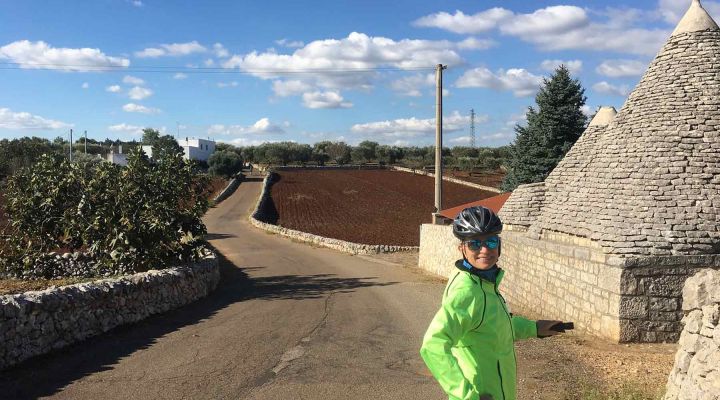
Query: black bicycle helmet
x=476, y=221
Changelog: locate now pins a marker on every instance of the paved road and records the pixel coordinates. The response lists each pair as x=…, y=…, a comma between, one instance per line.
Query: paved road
x=288, y=321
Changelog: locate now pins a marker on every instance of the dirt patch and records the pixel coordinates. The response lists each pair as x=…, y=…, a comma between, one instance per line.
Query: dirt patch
x=369, y=207
x=582, y=367
x=216, y=186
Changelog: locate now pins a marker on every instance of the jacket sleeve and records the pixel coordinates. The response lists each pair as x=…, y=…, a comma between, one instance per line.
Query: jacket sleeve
x=523, y=328
x=455, y=318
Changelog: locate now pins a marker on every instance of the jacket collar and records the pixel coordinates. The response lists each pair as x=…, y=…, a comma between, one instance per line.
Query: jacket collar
x=473, y=272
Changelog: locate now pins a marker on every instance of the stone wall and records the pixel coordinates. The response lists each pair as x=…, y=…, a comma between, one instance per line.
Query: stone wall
x=35, y=323
x=229, y=189
x=558, y=276
x=696, y=374
x=449, y=179
x=438, y=249
x=259, y=216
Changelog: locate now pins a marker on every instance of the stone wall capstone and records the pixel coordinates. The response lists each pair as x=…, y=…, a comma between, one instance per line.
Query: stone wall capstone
x=35, y=323
x=696, y=373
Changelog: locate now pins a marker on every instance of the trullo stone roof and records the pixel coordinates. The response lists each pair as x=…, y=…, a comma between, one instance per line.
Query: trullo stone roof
x=647, y=181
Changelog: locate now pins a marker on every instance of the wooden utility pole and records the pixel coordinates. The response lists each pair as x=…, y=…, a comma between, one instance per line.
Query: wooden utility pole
x=70, y=145
x=438, y=144
x=85, y=142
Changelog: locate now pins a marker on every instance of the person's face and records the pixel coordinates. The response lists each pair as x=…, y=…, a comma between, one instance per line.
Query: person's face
x=482, y=257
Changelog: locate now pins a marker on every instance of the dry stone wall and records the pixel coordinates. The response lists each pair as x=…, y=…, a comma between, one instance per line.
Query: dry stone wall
x=524, y=206
x=259, y=216
x=696, y=373
x=438, y=249
x=35, y=323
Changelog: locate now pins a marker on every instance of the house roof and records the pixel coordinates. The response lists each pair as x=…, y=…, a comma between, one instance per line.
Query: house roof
x=494, y=203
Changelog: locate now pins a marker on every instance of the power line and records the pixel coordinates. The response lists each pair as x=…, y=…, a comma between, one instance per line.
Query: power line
x=199, y=70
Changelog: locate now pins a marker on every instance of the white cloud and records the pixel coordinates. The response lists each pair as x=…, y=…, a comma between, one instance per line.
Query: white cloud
x=137, y=108
x=220, y=50
x=460, y=141
x=290, y=88
x=172, y=50
x=227, y=84
x=673, y=10
x=414, y=127
x=113, y=89
x=324, y=100
x=180, y=75
x=136, y=3
x=472, y=43
x=85, y=85
x=558, y=28
x=329, y=58
x=288, y=43
x=521, y=82
x=25, y=120
x=610, y=89
x=133, y=80
x=461, y=23
x=413, y=85
x=209, y=62
x=139, y=93
x=621, y=68
x=262, y=127
x=125, y=128
x=574, y=66
x=39, y=55
x=497, y=136
x=545, y=21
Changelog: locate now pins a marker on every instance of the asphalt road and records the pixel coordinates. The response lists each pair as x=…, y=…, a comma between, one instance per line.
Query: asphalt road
x=288, y=321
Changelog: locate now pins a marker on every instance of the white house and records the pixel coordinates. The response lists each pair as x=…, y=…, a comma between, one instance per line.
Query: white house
x=117, y=158
x=195, y=149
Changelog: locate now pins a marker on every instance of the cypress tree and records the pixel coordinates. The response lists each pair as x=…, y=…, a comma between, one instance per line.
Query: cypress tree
x=551, y=130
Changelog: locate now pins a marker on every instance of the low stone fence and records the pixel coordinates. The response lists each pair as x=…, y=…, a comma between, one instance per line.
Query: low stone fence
x=696, y=374
x=449, y=179
x=35, y=323
x=258, y=217
x=229, y=189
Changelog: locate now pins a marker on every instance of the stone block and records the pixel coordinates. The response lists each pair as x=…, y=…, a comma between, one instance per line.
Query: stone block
x=633, y=307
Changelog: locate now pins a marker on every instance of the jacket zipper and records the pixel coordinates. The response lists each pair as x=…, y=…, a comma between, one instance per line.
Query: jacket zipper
x=502, y=389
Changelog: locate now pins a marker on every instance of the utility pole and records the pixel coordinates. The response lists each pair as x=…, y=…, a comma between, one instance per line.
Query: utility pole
x=438, y=143
x=85, y=142
x=70, y=145
x=472, y=128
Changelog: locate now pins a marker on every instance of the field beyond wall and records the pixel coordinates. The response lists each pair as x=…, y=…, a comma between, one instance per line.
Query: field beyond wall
x=363, y=206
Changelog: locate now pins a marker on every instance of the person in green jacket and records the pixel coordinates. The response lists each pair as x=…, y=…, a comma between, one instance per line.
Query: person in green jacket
x=469, y=345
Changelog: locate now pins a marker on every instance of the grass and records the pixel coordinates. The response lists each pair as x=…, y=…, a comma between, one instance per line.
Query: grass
x=14, y=286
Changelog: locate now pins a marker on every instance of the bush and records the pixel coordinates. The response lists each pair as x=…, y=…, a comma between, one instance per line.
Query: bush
x=224, y=163
x=126, y=219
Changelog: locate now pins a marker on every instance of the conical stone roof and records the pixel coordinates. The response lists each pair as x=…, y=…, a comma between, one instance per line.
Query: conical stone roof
x=648, y=182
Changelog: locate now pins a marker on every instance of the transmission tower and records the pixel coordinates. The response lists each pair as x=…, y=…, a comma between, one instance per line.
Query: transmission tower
x=472, y=127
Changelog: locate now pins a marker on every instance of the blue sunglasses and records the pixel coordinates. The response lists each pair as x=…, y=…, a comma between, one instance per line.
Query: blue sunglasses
x=491, y=243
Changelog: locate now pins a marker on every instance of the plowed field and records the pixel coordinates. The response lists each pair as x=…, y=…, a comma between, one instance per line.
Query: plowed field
x=370, y=207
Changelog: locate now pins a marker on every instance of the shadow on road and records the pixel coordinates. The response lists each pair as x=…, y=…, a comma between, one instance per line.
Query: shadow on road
x=49, y=374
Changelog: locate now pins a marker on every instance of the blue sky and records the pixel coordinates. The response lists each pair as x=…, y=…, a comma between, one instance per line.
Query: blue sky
x=248, y=72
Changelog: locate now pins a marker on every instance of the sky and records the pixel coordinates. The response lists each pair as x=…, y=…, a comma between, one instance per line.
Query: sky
x=248, y=72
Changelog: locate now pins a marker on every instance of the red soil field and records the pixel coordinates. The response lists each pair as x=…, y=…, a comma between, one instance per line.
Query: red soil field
x=369, y=207
x=490, y=179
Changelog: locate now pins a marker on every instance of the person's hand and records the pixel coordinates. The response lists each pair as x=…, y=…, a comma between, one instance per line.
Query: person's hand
x=544, y=328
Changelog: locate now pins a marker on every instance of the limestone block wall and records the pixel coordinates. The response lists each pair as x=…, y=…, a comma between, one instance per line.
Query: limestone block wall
x=558, y=276
x=696, y=373
x=524, y=206
x=35, y=323
x=438, y=249
x=449, y=179
x=568, y=280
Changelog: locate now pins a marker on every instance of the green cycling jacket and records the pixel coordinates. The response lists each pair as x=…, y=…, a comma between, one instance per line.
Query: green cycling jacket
x=469, y=346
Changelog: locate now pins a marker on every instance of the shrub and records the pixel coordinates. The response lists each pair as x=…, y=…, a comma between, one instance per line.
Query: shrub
x=225, y=163
x=126, y=219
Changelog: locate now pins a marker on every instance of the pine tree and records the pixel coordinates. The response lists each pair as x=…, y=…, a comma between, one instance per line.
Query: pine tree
x=551, y=130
